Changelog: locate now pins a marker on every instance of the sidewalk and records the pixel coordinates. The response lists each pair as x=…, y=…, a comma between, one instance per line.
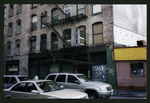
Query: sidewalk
x=130, y=93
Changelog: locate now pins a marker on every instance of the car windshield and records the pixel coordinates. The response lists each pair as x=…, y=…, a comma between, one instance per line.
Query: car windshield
x=23, y=78
x=48, y=86
x=83, y=77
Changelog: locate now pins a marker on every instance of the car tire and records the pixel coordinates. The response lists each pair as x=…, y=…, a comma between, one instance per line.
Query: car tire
x=92, y=94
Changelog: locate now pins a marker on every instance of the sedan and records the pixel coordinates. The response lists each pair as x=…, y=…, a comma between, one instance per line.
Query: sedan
x=41, y=89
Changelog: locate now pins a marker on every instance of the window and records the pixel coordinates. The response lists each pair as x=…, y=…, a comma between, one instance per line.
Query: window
x=18, y=27
x=71, y=79
x=67, y=10
x=81, y=9
x=34, y=22
x=13, y=80
x=97, y=33
x=67, y=36
x=5, y=12
x=30, y=87
x=33, y=44
x=7, y=79
x=10, y=29
x=54, y=68
x=9, y=48
x=55, y=16
x=19, y=87
x=34, y=5
x=18, y=47
x=43, y=42
x=51, y=77
x=96, y=8
x=54, y=41
x=43, y=19
x=19, y=8
x=80, y=35
x=61, y=78
x=137, y=69
x=11, y=9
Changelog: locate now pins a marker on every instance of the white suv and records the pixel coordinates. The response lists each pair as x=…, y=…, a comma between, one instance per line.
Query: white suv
x=94, y=89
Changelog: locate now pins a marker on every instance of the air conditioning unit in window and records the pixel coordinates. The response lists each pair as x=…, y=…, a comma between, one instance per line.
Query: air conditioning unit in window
x=44, y=13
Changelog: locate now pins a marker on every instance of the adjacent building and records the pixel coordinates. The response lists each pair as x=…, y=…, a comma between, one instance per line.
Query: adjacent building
x=47, y=38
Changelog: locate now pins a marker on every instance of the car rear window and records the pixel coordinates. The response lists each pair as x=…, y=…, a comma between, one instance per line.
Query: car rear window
x=61, y=78
x=51, y=77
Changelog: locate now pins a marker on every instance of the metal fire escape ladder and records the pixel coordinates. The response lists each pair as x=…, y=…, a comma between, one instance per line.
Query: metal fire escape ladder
x=49, y=25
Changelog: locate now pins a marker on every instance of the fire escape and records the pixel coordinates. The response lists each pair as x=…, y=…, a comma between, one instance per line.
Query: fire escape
x=67, y=19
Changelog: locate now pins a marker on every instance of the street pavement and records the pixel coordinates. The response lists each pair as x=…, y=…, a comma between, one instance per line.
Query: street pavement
x=126, y=97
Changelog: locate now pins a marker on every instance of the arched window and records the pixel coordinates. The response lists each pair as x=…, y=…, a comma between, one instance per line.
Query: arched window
x=67, y=36
x=17, y=47
x=43, y=42
x=10, y=29
x=33, y=44
x=18, y=26
x=55, y=15
x=34, y=22
x=43, y=19
x=54, y=41
x=97, y=33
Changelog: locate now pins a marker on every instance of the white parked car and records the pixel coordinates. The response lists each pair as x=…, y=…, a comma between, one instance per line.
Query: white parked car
x=9, y=80
x=41, y=89
x=78, y=81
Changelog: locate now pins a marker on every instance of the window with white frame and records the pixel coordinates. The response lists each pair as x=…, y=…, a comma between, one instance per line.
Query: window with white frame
x=81, y=9
x=34, y=22
x=18, y=27
x=97, y=8
x=18, y=47
x=67, y=10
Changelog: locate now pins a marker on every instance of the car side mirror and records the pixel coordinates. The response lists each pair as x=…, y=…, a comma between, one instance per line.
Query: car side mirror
x=34, y=91
x=77, y=81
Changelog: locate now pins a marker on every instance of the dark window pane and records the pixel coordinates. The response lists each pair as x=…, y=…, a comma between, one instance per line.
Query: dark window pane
x=30, y=87
x=61, y=78
x=19, y=87
x=51, y=77
x=137, y=69
x=71, y=79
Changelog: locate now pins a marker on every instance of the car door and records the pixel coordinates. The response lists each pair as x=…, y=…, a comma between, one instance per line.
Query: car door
x=73, y=83
x=61, y=80
x=17, y=92
x=28, y=94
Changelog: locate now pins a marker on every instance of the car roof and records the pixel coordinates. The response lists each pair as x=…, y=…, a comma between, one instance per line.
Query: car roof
x=68, y=73
x=16, y=76
x=42, y=80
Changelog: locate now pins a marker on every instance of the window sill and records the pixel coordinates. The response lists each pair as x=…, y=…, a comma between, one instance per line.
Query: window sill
x=96, y=13
x=10, y=16
x=17, y=33
x=43, y=27
x=33, y=7
x=33, y=30
x=18, y=12
x=9, y=35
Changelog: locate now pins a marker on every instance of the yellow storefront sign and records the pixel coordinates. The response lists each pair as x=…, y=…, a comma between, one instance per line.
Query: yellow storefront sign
x=138, y=53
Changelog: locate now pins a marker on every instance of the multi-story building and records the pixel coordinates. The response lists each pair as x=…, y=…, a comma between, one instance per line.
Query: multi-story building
x=46, y=38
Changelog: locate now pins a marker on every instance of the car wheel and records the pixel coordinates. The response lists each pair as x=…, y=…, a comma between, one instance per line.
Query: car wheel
x=92, y=94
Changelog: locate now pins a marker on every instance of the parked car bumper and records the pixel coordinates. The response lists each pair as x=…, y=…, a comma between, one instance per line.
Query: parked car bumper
x=105, y=94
